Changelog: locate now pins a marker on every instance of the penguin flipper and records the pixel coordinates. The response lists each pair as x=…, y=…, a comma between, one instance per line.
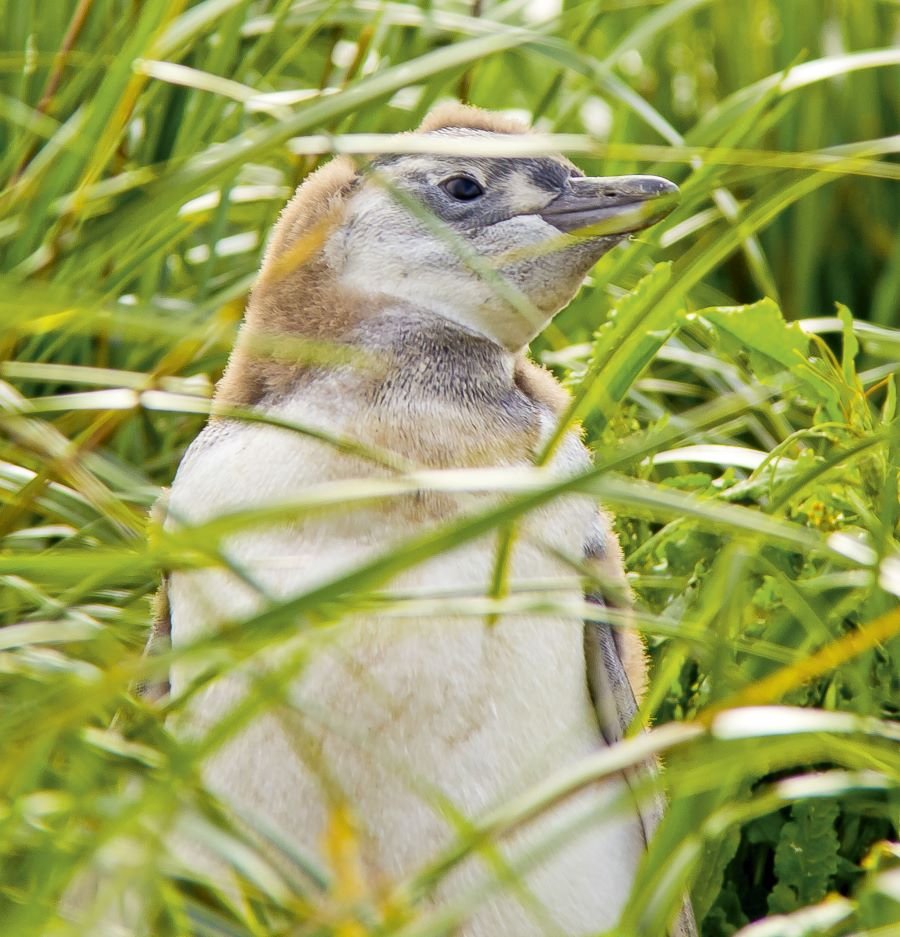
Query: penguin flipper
x=617, y=676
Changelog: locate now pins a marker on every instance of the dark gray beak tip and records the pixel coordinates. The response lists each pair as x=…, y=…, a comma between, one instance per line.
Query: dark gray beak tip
x=611, y=206
x=654, y=186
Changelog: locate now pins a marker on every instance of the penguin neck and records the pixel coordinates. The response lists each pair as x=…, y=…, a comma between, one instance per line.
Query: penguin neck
x=416, y=384
x=429, y=356
x=390, y=345
x=446, y=396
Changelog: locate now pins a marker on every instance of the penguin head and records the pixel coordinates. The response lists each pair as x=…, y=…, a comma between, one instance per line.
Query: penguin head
x=496, y=244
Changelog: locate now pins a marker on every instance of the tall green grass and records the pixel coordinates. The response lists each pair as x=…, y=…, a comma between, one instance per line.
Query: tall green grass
x=750, y=452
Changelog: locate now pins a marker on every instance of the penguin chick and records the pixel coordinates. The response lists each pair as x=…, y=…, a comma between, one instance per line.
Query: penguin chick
x=432, y=273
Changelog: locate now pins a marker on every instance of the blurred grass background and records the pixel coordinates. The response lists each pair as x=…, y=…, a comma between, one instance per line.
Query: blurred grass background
x=146, y=150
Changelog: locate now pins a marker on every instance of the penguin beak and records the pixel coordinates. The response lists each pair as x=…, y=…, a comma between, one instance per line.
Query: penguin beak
x=611, y=205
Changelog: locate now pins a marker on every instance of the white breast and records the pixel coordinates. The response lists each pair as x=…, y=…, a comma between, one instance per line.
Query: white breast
x=397, y=717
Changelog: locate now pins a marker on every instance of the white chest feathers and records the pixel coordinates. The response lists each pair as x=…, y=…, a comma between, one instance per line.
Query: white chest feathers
x=409, y=716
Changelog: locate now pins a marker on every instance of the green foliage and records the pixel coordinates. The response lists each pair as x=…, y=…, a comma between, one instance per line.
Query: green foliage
x=739, y=607
x=745, y=435
x=759, y=330
x=806, y=857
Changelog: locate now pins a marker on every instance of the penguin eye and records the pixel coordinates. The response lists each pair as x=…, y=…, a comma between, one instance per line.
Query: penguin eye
x=462, y=188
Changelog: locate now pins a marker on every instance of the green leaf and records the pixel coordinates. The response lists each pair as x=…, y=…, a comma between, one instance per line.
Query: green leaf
x=760, y=331
x=806, y=856
x=851, y=344
x=772, y=347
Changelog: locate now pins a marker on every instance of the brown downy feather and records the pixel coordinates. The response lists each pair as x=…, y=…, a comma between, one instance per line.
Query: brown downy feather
x=466, y=117
x=294, y=296
x=539, y=384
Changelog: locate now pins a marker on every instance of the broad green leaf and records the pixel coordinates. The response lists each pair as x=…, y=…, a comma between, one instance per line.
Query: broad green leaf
x=806, y=856
x=760, y=331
